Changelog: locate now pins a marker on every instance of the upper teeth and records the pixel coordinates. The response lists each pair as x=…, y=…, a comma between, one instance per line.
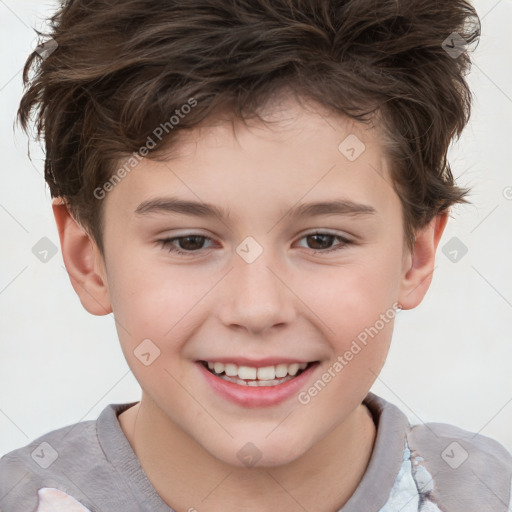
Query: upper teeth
x=249, y=372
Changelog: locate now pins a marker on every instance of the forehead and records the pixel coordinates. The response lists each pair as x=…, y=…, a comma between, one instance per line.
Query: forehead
x=282, y=125
x=300, y=152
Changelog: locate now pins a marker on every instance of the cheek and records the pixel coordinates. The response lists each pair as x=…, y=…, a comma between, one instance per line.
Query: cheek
x=352, y=296
x=161, y=304
x=149, y=299
x=356, y=306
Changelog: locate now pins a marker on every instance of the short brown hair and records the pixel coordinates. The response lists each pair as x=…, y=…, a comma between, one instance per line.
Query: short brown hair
x=122, y=68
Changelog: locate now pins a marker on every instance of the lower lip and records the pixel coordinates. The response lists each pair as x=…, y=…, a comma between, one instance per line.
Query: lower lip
x=252, y=396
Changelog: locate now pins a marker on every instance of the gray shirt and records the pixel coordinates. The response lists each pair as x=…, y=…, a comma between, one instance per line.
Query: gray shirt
x=91, y=467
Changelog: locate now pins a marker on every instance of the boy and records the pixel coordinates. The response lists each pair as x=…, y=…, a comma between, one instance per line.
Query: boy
x=201, y=155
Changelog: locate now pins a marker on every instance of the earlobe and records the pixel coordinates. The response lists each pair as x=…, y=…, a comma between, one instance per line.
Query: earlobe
x=418, y=273
x=83, y=262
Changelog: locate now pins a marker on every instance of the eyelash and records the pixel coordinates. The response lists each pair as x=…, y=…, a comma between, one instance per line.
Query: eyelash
x=166, y=243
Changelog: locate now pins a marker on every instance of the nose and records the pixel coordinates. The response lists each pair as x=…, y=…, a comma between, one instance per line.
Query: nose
x=256, y=297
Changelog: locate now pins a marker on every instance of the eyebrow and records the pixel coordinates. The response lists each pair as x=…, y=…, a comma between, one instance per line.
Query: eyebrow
x=198, y=209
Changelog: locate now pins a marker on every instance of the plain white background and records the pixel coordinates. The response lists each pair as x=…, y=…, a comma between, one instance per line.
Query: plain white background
x=451, y=358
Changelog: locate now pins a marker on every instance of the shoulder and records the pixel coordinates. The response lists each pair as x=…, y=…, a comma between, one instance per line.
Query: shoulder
x=460, y=470
x=48, y=467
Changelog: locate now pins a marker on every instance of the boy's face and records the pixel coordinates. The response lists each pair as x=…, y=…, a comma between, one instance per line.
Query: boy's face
x=259, y=289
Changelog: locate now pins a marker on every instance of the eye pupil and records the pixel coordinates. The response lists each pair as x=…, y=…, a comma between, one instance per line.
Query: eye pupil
x=320, y=243
x=197, y=242
x=315, y=237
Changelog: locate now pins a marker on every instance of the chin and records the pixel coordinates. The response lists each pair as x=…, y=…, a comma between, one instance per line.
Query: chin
x=258, y=454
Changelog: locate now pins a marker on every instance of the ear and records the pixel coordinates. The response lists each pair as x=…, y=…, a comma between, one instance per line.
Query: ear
x=83, y=261
x=419, y=264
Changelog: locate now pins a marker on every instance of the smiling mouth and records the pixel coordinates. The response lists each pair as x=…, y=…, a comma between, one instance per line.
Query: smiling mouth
x=256, y=377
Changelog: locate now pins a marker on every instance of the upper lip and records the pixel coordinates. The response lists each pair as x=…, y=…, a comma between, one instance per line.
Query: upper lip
x=253, y=363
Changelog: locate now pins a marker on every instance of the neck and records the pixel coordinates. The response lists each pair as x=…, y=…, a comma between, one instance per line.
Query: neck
x=186, y=476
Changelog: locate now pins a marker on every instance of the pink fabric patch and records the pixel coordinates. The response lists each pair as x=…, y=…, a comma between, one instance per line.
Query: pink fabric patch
x=53, y=500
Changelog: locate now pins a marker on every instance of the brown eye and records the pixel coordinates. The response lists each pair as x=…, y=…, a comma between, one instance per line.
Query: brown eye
x=323, y=242
x=184, y=244
x=191, y=243
x=320, y=242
